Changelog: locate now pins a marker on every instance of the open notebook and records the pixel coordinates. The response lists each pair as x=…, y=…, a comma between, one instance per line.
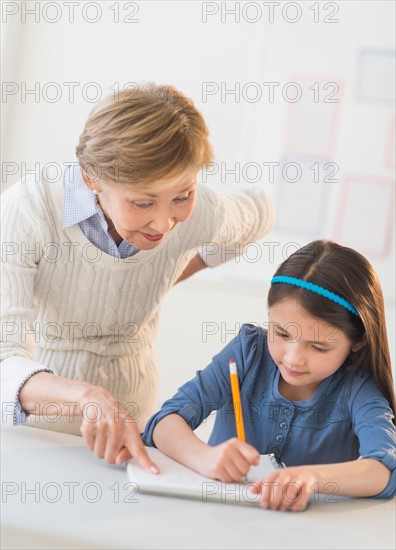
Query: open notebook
x=177, y=480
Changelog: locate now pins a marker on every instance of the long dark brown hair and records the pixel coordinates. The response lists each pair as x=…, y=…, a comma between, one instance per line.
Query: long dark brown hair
x=347, y=273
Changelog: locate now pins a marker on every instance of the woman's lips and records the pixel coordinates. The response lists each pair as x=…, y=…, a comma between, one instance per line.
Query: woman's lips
x=293, y=372
x=152, y=238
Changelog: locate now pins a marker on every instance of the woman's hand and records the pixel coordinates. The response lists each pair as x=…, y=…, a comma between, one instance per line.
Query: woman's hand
x=229, y=461
x=108, y=430
x=286, y=489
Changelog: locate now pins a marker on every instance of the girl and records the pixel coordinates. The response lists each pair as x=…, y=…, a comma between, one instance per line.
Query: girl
x=316, y=388
x=88, y=259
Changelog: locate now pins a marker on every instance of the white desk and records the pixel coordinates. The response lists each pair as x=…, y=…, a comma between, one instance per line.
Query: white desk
x=50, y=462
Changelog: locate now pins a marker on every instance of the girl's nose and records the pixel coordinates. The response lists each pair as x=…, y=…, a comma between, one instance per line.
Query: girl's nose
x=294, y=356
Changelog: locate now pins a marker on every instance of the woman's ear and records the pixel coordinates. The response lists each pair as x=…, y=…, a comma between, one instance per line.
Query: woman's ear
x=359, y=345
x=91, y=184
x=87, y=179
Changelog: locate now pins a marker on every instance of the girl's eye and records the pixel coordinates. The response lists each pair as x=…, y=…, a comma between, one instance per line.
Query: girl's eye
x=320, y=350
x=281, y=334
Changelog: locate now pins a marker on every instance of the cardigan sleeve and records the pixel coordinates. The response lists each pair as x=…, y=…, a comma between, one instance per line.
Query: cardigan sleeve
x=239, y=218
x=22, y=239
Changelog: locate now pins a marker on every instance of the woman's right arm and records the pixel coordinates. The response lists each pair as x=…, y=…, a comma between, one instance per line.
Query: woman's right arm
x=24, y=234
x=108, y=430
x=44, y=388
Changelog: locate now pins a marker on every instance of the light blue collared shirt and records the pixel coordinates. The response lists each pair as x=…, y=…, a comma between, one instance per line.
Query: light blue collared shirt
x=82, y=208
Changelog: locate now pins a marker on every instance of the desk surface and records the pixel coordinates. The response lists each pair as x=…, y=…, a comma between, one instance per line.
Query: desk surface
x=57, y=494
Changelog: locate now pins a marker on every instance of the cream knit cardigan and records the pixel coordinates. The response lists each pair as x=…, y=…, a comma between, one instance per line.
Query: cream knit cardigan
x=69, y=307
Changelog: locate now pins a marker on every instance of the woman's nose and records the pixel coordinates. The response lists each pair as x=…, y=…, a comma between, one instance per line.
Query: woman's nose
x=162, y=224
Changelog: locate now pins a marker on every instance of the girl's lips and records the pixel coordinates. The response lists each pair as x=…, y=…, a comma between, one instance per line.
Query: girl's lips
x=293, y=372
x=152, y=238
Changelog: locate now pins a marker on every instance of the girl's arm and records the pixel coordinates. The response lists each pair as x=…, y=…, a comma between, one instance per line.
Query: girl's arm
x=173, y=436
x=171, y=429
x=365, y=477
x=291, y=488
x=373, y=475
x=227, y=462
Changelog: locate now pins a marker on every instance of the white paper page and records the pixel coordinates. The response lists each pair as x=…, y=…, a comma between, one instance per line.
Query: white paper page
x=178, y=480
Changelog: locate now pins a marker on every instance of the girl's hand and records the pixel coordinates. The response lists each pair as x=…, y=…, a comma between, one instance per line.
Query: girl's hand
x=108, y=430
x=286, y=489
x=229, y=461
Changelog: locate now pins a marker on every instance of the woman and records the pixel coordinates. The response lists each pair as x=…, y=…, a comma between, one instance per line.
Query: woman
x=88, y=260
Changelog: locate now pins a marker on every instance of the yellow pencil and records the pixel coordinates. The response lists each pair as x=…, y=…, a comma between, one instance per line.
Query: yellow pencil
x=236, y=398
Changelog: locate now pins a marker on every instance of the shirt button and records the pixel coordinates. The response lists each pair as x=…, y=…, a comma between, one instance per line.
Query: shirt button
x=275, y=450
x=279, y=438
x=283, y=425
x=288, y=412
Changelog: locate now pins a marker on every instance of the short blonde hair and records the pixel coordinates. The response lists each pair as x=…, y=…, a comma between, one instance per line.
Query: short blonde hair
x=147, y=134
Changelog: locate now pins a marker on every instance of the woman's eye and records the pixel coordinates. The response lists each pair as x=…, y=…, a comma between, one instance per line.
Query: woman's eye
x=281, y=334
x=149, y=204
x=182, y=199
x=142, y=204
x=320, y=350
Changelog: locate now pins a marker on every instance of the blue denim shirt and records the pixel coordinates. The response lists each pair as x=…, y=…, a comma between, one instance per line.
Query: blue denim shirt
x=347, y=417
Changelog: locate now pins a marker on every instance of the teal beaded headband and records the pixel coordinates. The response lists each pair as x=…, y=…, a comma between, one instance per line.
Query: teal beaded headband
x=318, y=289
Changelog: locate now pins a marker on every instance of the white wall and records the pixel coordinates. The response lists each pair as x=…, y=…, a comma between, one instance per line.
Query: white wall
x=350, y=57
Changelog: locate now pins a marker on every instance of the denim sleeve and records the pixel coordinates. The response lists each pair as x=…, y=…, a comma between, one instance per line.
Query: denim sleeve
x=372, y=419
x=209, y=389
